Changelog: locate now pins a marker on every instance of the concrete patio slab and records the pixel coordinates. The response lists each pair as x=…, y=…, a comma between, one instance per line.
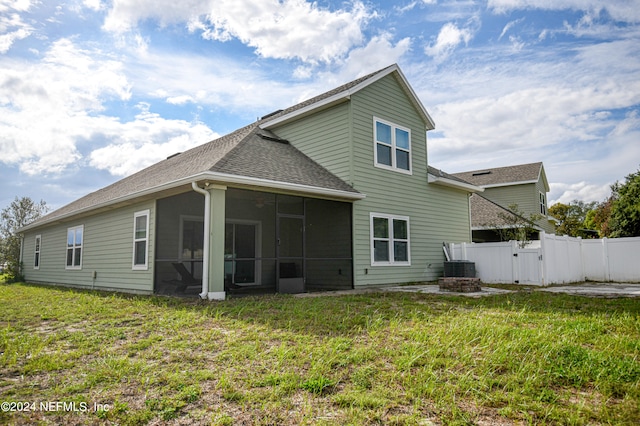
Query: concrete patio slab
x=435, y=289
x=585, y=289
x=597, y=289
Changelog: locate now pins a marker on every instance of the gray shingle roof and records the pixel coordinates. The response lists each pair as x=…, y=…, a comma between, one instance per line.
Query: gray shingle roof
x=486, y=213
x=247, y=152
x=502, y=175
x=242, y=153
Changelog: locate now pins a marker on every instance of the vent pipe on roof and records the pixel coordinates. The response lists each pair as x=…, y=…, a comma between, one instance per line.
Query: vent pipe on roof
x=205, y=243
x=271, y=114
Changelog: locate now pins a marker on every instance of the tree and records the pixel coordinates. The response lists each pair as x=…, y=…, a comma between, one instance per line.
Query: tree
x=19, y=213
x=598, y=218
x=572, y=217
x=625, y=211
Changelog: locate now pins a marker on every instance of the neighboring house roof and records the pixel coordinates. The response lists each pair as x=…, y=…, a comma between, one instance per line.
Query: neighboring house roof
x=490, y=215
x=505, y=176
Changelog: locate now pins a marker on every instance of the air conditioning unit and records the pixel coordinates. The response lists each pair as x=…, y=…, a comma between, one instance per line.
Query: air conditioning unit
x=460, y=269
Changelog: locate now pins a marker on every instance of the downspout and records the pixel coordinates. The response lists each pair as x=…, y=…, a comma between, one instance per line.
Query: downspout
x=205, y=248
x=21, y=256
x=470, y=220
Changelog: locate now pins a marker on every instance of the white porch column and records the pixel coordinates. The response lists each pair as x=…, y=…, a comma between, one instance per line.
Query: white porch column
x=217, y=202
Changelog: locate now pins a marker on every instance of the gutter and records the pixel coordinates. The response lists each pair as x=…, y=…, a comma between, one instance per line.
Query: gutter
x=207, y=236
x=214, y=177
x=441, y=180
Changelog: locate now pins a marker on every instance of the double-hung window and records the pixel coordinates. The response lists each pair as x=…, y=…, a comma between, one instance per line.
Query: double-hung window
x=141, y=240
x=36, y=257
x=389, y=240
x=543, y=204
x=392, y=146
x=74, y=247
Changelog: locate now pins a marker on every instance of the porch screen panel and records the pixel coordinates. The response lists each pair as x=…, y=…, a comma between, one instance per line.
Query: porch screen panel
x=329, y=263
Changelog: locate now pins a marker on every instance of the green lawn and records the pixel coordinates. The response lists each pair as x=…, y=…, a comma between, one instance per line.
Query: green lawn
x=522, y=358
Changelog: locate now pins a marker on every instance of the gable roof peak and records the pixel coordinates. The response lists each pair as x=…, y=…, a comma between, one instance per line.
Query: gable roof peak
x=343, y=93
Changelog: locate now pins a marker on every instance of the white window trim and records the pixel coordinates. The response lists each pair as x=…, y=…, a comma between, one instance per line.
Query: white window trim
x=391, y=261
x=543, y=203
x=81, y=247
x=37, y=254
x=145, y=266
x=393, y=166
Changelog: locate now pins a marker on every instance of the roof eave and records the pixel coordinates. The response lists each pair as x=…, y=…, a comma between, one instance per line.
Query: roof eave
x=450, y=183
x=523, y=182
x=323, y=104
x=226, y=178
x=488, y=227
x=214, y=177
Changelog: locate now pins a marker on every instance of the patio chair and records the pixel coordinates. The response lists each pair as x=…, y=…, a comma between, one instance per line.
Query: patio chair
x=186, y=278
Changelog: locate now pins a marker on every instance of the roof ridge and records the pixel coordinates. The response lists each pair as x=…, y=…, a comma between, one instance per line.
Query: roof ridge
x=500, y=167
x=310, y=101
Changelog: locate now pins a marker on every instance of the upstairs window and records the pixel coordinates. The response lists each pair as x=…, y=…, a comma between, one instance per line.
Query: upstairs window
x=543, y=204
x=74, y=247
x=389, y=240
x=36, y=257
x=141, y=240
x=392, y=146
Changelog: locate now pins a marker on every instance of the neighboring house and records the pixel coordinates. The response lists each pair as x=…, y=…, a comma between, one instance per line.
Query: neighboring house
x=334, y=192
x=525, y=185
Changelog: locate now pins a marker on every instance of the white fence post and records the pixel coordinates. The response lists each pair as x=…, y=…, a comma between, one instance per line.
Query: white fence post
x=543, y=245
x=515, y=270
x=606, y=268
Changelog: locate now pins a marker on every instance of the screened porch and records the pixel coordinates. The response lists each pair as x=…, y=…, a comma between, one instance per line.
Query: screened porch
x=273, y=243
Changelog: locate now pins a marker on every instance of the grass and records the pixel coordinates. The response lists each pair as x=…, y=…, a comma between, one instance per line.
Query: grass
x=521, y=358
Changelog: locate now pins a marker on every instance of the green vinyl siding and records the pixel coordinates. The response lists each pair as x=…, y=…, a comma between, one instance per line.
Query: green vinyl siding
x=544, y=223
x=436, y=214
x=324, y=137
x=341, y=139
x=107, y=249
x=526, y=196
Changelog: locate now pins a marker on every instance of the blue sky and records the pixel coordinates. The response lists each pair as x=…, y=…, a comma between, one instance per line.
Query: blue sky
x=92, y=90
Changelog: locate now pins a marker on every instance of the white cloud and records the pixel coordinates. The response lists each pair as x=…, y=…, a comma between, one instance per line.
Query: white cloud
x=620, y=10
x=12, y=28
x=508, y=27
x=284, y=29
x=93, y=4
x=379, y=52
x=449, y=38
x=217, y=82
x=16, y=5
x=555, y=106
x=566, y=193
x=136, y=144
x=53, y=110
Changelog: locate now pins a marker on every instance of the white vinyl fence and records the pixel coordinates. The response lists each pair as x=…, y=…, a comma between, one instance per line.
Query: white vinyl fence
x=553, y=260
